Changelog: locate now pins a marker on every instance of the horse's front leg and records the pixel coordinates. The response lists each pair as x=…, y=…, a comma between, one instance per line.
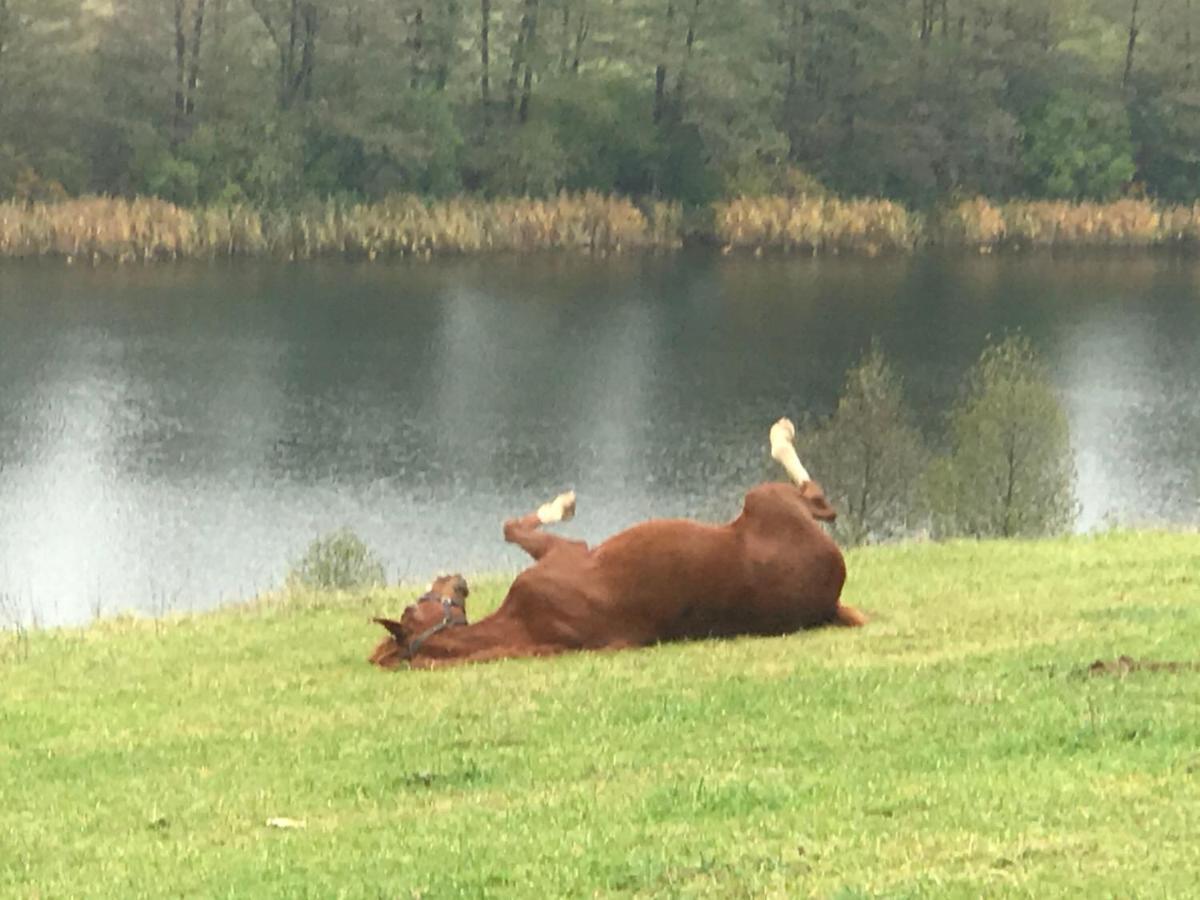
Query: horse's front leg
x=526, y=531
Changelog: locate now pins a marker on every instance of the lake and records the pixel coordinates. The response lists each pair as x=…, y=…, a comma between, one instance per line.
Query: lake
x=172, y=437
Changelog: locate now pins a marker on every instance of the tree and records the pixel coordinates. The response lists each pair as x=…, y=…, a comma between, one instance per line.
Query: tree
x=1131, y=43
x=292, y=26
x=485, y=32
x=46, y=98
x=920, y=101
x=1163, y=99
x=184, y=109
x=869, y=454
x=573, y=34
x=189, y=39
x=1079, y=147
x=1009, y=472
x=524, y=53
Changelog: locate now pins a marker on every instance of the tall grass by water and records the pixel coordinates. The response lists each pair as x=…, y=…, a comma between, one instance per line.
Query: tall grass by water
x=815, y=225
x=983, y=225
x=960, y=745
x=100, y=229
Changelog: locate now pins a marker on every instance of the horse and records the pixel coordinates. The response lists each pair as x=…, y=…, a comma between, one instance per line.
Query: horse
x=772, y=570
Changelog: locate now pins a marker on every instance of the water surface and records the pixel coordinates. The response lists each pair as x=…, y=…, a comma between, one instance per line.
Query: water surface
x=172, y=437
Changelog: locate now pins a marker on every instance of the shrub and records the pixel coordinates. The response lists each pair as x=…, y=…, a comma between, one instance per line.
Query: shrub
x=869, y=456
x=337, y=561
x=1009, y=471
x=598, y=125
x=174, y=180
x=761, y=178
x=526, y=161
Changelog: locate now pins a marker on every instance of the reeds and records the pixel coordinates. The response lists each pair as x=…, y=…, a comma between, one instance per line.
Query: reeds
x=975, y=223
x=100, y=228
x=665, y=225
x=1123, y=223
x=982, y=225
x=96, y=229
x=1179, y=224
x=814, y=225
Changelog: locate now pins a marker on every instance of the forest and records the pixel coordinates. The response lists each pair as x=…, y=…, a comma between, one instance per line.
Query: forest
x=277, y=102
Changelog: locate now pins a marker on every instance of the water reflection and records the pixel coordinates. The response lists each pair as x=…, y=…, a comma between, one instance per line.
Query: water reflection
x=1128, y=385
x=173, y=437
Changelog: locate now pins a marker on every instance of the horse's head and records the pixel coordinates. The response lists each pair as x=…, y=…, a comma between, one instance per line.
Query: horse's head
x=442, y=606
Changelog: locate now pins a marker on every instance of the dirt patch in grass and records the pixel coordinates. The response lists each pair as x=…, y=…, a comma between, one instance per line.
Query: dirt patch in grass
x=1123, y=665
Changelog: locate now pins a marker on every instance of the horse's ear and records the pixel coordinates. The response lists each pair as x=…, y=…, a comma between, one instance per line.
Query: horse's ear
x=394, y=628
x=818, y=505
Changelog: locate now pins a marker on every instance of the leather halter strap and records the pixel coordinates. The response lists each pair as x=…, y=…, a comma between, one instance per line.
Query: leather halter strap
x=449, y=604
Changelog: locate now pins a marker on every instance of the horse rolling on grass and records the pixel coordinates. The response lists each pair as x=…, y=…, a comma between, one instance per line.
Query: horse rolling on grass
x=772, y=570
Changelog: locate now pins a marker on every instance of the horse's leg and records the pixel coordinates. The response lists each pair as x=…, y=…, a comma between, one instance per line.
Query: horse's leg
x=849, y=617
x=526, y=532
x=783, y=451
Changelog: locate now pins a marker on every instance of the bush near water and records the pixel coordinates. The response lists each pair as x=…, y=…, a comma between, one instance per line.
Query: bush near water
x=1002, y=468
x=336, y=562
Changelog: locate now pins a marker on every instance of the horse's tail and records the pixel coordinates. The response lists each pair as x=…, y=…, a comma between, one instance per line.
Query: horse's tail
x=849, y=617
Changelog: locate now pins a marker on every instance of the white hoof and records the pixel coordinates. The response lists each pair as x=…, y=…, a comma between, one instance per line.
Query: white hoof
x=560, y=509
x=783, y=433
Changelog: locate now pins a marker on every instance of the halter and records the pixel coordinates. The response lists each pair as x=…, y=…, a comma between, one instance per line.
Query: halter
x=449, y=605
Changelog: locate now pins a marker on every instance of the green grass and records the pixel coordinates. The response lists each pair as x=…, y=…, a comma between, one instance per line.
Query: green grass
x=953, y=748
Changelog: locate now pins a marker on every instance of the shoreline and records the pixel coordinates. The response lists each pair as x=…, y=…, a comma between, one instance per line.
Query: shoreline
x=102, y=230
x=487, y=589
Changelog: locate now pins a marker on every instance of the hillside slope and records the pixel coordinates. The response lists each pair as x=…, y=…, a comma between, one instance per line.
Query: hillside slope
x=957, y=746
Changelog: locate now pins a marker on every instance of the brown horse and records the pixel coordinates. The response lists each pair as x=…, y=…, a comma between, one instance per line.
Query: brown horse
x=772, y=570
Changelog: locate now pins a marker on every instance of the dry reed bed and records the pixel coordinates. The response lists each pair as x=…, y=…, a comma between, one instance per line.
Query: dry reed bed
x=98, y=229
x=983, y=225
x=815, y=225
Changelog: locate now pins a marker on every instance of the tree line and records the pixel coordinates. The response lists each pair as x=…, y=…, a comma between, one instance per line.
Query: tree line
x=272, y=102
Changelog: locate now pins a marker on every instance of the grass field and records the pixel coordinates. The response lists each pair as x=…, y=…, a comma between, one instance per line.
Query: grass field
x=955, y=747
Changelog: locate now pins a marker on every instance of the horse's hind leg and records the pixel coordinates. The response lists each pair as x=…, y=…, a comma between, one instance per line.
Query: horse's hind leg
x=849, y=617
x=526, y=532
